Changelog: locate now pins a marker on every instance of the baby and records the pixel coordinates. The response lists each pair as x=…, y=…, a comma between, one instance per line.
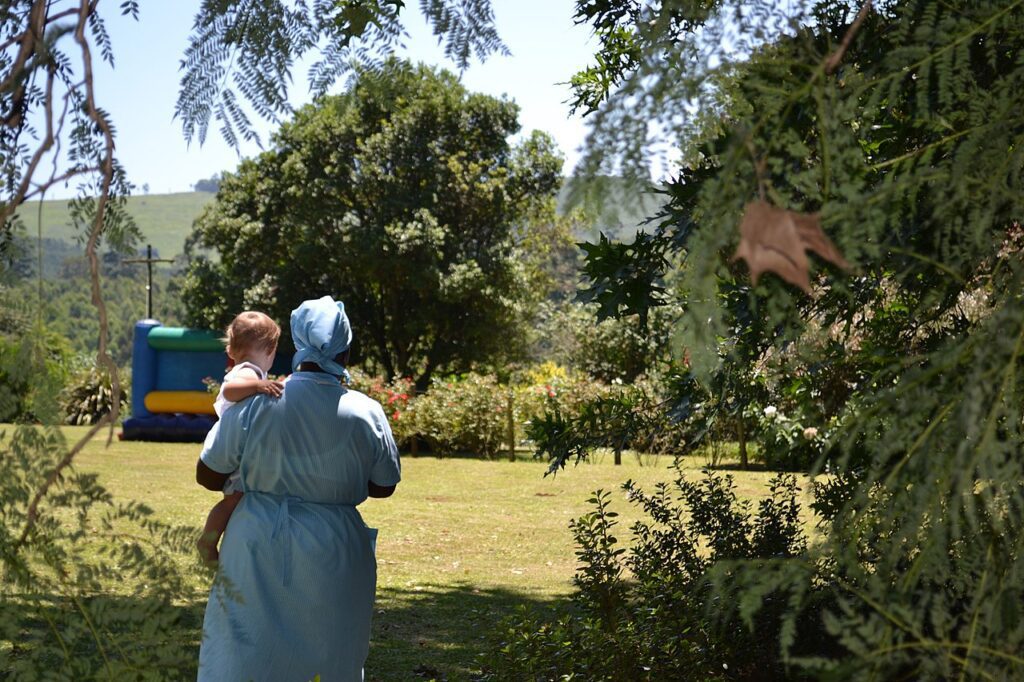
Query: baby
x=251, y=343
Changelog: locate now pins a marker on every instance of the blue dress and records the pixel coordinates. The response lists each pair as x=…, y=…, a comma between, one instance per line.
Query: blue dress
x=294, y=592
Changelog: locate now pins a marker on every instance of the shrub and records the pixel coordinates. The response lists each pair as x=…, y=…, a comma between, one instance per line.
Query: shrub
x=89, y=396
x=649, y=612
x=33, y=370
x=468, y=413
x=788, y=443
x=551, y=388
x=395, y=397
x=618, y=416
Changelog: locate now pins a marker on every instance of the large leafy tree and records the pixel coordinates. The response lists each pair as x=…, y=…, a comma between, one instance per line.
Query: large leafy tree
x=402, y=197
x=900, y=125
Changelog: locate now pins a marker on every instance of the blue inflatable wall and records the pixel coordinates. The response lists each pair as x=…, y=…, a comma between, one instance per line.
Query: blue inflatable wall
x=172, y=371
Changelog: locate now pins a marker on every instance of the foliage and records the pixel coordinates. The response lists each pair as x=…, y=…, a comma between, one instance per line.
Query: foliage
x=401, y=197
x=67, y=546
x=34, y=361
x=395, y=397
x=63, y=541
x=33, y=369
x=638, y=290
x=89, y=584
x=88, y=397
x=210, y=184
x=67, y=311
x=610, y=350
x=619, y=417
x=467, y=413
x=551, y=257
x=899, y=124
x=252, y=47
x=646, y=611
x=46, y=94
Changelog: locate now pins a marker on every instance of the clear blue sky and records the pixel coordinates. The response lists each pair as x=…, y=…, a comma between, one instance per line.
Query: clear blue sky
x=547, y=48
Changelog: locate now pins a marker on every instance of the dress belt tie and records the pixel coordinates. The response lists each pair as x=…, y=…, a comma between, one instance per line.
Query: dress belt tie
x=282, y=525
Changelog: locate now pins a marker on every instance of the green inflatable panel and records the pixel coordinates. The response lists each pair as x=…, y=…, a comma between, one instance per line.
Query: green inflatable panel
x=183, y=338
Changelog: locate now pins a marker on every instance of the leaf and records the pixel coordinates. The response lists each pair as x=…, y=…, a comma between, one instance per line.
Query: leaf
x=776, y=240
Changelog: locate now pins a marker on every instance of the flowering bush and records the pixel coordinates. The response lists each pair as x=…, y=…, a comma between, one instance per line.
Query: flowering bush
x=550, y=388
x=212, y=385
x=468, y=413
x=395, y=397
x=788, y=443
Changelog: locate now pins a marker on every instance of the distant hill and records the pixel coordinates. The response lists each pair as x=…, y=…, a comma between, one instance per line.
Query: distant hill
x=164, y=219
x=617, y=209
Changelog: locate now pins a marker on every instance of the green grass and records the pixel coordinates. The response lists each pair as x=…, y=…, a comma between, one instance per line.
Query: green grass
x=462, y=544
x=164, y=219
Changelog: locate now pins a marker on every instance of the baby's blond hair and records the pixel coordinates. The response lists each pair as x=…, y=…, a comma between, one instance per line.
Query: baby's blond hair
x=251, y=331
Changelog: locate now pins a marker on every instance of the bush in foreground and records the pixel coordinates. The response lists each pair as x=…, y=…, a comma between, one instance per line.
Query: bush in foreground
x=657, y=610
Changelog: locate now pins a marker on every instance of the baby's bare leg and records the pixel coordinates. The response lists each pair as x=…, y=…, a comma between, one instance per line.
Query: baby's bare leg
x=216, y=522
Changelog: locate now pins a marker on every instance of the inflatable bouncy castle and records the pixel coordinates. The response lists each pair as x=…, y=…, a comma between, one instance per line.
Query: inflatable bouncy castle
x=170, y=402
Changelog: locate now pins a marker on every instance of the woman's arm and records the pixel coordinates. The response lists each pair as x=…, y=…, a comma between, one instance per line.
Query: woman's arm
x=210, y=479
x=222, y=449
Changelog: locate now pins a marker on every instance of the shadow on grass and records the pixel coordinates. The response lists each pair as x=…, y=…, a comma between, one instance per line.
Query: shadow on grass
x=736, y=466
x=435, y=632
x=439, y=632
x=98, y=637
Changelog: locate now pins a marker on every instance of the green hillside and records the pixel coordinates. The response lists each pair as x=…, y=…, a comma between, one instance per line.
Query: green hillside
x=164, y=219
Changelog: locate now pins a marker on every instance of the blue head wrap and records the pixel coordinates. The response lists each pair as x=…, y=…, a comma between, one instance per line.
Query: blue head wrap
x=320, y=330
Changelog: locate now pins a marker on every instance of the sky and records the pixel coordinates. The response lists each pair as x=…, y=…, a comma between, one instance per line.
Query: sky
x=141, y=89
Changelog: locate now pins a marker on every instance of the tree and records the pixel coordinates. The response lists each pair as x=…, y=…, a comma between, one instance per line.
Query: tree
x=898, y=128
x=403, y=198
x=210, y=184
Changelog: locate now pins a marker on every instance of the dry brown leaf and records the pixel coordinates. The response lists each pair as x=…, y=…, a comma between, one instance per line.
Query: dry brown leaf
x=808, y=226
x=776, y=240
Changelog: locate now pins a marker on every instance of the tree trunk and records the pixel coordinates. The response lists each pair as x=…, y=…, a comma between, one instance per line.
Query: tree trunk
x=741, y=434
x=511, y=426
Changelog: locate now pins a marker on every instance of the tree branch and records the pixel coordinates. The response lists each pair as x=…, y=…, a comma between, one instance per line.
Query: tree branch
x=836, y=58
x=102, y=356
x=33, y=508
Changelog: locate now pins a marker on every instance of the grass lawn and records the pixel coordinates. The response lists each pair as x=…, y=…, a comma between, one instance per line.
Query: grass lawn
x=462, y=543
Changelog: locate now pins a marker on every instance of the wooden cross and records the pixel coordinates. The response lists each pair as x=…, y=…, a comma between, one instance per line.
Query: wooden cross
x=149, y=260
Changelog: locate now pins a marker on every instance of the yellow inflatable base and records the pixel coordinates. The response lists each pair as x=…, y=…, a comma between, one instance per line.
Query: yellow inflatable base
x=188, y=402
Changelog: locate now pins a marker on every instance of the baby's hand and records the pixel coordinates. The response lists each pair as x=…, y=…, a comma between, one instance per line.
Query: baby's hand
x=269, y=387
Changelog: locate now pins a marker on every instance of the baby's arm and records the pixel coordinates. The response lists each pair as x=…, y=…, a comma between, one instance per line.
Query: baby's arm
x=247, y=383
